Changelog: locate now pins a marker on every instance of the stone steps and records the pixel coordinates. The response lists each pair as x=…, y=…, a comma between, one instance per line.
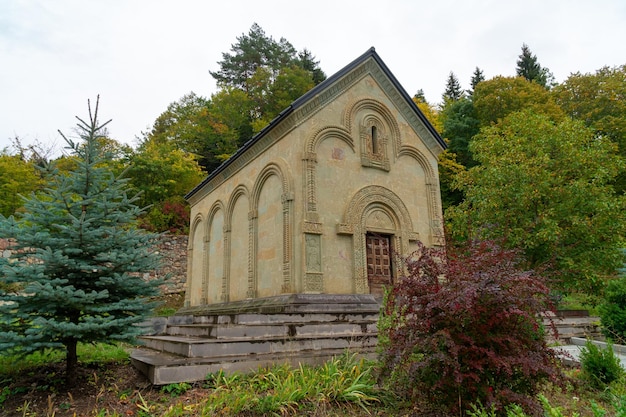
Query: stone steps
x=164, y=368
x=569, y=327
x=276, y=329
x=196, y=347
x=233, y=337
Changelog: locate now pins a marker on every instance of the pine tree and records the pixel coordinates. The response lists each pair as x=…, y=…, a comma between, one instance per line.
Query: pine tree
x=528, y=67
x=77, y=261
x=453, y=89
x=256, y=51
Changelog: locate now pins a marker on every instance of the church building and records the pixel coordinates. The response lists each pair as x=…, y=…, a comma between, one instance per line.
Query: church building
x=323, y=199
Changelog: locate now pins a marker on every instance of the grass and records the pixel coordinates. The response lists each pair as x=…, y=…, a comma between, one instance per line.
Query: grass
x=579, y=302
x=343, y=386
x=280, y=390
x=88, y=353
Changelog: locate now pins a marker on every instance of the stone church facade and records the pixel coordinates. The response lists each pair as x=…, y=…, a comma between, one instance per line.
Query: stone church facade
x=321, y=199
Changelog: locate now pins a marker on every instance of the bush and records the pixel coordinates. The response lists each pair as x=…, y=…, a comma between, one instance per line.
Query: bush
x=613, y=308
x=467, y=327
x=171, y=215
x=599, y=366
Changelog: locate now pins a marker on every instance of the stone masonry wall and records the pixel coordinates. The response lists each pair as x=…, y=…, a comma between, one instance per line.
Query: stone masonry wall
x=173, y=251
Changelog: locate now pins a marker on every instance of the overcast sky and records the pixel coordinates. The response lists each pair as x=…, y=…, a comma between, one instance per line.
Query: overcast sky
x=141, y=55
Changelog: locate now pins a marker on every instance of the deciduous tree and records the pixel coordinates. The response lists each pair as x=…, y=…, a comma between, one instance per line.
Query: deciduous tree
x=545, y=188
x=494, y=99
x=190, y=125
x=17, y=178
x=599, y=101
x=160, y=171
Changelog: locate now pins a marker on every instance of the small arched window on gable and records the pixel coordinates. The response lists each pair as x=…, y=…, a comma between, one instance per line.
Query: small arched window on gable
x=374, y=135
x=374, y=143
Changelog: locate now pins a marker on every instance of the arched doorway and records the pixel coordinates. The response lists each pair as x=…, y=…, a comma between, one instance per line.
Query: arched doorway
x=378, y=211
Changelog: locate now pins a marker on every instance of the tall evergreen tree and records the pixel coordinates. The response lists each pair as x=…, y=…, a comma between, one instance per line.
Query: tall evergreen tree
x=257, y=50
x=306, y=61
x=270, y=73
x=453, y=89
x=78, y=260
x=477, y=77
x=460, y=125
x=528, y=67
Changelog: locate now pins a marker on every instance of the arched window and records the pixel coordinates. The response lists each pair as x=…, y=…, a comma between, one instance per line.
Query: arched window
x=374, y=136
x=374, y=143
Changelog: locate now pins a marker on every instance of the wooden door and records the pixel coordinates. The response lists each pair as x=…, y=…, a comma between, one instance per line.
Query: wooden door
x=378, y=262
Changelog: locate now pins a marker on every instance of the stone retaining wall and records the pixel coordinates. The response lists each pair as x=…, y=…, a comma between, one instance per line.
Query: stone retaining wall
x=173, y=251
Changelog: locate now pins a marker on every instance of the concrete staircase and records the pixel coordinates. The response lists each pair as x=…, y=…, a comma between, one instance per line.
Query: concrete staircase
x=243, y=336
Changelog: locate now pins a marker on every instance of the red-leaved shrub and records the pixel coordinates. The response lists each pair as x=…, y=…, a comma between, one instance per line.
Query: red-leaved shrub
x=171, y=215
x=466, y=327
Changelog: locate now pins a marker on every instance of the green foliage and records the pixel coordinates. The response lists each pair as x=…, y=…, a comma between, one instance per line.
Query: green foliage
x=176, y=389
x=79, y=257
x=161, y=171
x=453, y=89
x=464, y=327
x=613, y=310
x=477, y=77
x=273, y=96
x=500, y=96
x=536, y=189
x=259, y=79
x=599, y=101
x=528, y=67
x=264, y=76
x=17, y=178
x=171, y=215
x=478, y=410
x=600, y=366
x=460, y=125
x=618, y=404
x=90, y=353
x=190, y=129
x=282, y=390
x=257, y=50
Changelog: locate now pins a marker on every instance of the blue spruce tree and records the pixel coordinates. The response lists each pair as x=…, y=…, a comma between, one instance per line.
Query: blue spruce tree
x=75, y=273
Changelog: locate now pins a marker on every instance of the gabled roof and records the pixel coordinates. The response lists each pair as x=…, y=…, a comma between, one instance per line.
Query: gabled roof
x=370, y=53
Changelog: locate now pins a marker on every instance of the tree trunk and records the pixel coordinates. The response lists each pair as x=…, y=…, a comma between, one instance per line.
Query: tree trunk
x=72, y=362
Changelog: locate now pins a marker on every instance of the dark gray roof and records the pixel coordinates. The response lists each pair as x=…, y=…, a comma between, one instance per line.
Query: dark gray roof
x=371, y=53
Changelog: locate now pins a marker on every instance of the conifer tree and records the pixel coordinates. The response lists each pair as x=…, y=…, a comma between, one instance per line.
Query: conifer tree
x=453, y=89
x=78, y=260
x=528, y=67
x=477, y=77
x=420, y=96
